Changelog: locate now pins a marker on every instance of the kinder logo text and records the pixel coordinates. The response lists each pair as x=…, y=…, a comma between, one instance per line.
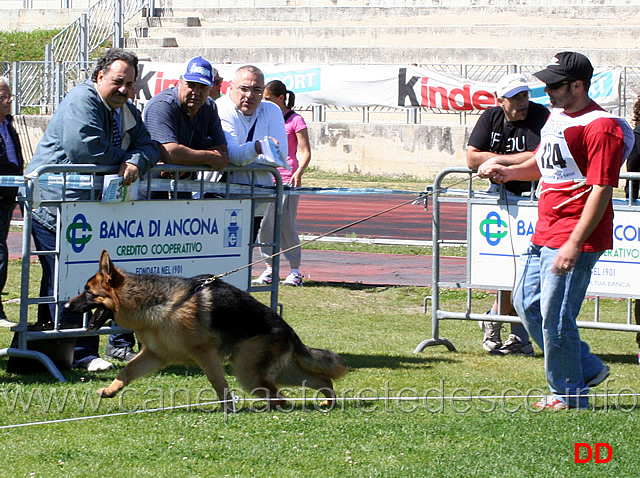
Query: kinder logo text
x=432, y=94
x=584, y=453
x=163, y=83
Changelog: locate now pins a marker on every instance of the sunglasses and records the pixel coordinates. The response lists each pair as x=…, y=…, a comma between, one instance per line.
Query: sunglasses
x=559, y=84
x=217, y=81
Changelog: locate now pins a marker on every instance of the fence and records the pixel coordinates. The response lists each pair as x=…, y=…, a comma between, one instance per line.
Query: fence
x=501, y=270
x=134, y=232
x=39, y=86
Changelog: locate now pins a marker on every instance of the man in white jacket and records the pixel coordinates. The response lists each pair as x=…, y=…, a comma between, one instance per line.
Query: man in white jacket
x=246, y=120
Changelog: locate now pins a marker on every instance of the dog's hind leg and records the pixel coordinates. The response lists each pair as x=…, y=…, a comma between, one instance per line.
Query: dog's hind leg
x=255, y=364
x=210, y=363
x=262, y=387
x=322, y=384
x=144, y=363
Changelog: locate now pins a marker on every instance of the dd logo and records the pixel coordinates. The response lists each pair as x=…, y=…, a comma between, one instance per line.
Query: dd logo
x=598, y=458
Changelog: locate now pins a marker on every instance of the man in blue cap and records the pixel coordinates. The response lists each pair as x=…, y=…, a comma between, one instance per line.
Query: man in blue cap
x=185, y=121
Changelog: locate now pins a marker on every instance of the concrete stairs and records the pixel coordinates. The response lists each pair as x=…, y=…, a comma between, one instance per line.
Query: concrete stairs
x=479, y=35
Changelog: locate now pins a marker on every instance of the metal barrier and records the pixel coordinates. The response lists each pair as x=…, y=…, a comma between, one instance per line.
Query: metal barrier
x=508, y=203
x=235, y=201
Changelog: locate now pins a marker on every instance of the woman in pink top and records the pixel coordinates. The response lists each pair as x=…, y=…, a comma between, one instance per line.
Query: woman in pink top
x=298, y=138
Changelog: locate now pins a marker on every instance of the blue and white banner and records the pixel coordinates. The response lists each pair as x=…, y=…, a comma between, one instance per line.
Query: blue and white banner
x=376, y=85
x=184, y=238
x=500, y=233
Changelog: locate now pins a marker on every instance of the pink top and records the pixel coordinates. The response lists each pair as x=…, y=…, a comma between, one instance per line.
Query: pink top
x=294, y=123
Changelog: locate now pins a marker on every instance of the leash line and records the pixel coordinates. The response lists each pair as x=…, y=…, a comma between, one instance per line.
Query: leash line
x=420, y=197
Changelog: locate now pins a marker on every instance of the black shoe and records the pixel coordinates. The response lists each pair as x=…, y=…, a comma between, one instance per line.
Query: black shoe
x=120, y=353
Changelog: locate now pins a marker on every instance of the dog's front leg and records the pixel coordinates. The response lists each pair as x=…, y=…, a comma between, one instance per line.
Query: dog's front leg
x=144, y=363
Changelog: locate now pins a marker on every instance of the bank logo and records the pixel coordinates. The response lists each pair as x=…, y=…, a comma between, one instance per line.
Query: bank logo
x=493, y=228
x=79, y=233
x=232, y=229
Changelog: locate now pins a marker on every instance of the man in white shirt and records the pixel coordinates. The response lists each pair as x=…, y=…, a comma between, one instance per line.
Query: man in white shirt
x=246, y=120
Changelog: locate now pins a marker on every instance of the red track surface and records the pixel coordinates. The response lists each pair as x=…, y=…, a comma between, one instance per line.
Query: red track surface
x=320, y=214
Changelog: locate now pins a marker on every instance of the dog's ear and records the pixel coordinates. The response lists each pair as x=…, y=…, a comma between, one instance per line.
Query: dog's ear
x=105, y=263
x=109, y=271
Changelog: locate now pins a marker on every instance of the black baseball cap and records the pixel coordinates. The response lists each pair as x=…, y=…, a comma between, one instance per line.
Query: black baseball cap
x=566, y=65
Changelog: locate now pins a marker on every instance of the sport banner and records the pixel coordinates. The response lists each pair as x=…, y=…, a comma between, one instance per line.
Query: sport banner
x=375, y=85
x=184, y=238
x=501, y=232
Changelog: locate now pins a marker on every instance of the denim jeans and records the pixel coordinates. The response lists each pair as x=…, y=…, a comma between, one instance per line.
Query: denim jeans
x=549, y=304
x=86, y=348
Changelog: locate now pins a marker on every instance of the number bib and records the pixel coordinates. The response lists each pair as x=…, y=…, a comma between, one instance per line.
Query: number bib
x=554, y=159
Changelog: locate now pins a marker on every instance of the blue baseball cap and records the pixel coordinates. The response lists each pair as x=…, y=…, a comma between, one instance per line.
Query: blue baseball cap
x=199, y=70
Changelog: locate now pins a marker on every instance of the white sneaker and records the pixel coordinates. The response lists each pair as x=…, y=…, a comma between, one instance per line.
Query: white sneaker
x=491, y=339
x=294, y=279
x=4, y=322
x=264, y=279
x=97, y=365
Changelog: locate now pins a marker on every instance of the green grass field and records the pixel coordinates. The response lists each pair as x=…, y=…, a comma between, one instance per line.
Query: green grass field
x=375, y=329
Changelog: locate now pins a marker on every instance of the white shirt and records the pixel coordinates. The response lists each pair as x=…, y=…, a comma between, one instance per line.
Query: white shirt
x=269, y=121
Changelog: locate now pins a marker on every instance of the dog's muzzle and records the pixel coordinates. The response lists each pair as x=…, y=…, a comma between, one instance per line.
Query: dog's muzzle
x=100, y=317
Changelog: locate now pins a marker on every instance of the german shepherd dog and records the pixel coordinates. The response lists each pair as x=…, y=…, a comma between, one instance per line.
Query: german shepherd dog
x=186, y=320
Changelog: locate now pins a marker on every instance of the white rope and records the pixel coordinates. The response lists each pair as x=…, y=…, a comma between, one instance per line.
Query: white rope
x=305, y=399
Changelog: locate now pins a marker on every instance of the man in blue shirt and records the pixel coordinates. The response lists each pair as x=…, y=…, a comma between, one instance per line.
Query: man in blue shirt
x=184, y=120
x=83, y=131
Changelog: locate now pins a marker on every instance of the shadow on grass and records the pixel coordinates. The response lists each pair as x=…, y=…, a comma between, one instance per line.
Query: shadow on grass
x=71, y=376
x=618, y=358
x=345, y=285
x=355, y=361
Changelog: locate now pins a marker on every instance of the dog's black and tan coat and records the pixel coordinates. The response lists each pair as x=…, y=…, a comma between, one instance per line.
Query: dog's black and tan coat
x=187, y=320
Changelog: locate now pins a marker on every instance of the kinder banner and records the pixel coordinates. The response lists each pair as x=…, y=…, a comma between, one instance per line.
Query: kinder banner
x=184, y=238
x=500, y=233
x=376, y=85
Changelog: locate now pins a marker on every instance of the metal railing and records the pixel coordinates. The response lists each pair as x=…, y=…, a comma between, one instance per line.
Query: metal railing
x=470, y=310
x=89, y=178
x=69, y=54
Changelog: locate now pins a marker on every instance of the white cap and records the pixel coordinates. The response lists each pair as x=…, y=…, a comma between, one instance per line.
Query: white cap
x=511, y=85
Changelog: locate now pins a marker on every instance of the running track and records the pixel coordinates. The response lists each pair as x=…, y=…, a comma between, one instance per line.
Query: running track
x=321, y=214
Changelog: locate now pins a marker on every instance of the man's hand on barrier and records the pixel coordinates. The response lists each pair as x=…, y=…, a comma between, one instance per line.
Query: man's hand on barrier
x=129, y=172
x=485, y=169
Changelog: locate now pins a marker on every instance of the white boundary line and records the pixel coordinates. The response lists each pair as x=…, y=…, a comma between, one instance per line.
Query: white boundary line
x=306, y=399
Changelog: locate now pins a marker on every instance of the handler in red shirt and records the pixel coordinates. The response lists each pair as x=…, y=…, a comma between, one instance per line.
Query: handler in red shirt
x=582, y=149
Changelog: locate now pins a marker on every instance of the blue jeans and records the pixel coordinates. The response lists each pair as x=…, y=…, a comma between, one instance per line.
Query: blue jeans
x=86, y=348
x=549, y=305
